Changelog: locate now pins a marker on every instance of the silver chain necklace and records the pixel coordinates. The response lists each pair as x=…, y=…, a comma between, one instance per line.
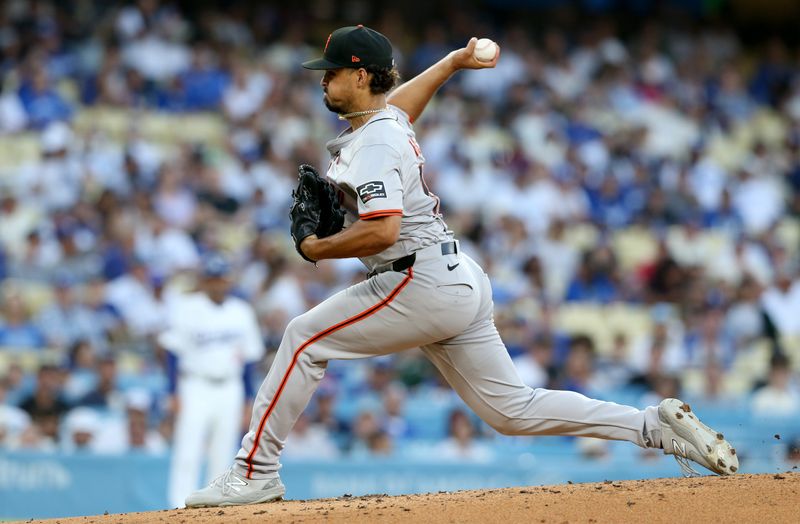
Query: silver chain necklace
x=357, y=114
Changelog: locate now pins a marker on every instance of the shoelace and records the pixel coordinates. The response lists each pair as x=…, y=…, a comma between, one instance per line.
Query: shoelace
x=686, y=467
x=226, y=481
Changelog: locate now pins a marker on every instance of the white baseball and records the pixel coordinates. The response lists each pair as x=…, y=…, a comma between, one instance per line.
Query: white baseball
x=485, y=50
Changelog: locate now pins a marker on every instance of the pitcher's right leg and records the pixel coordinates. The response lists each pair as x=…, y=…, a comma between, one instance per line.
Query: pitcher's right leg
x=484, y=376
x=477, y=365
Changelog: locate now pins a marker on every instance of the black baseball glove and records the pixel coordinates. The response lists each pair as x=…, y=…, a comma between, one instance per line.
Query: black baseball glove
x=315, y=208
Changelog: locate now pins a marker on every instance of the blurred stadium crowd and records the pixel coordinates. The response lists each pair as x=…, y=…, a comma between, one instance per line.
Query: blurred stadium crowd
x=635, y=199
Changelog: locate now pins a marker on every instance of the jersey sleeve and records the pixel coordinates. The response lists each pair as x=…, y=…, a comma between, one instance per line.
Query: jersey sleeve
x=378, y=187
x=402, y=117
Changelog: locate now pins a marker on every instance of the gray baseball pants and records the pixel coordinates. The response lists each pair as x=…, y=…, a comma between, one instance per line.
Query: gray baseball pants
x=443, y=305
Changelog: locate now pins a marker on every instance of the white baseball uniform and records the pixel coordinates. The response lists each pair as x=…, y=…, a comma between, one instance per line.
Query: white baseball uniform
x=439, y=299
x=213, y=343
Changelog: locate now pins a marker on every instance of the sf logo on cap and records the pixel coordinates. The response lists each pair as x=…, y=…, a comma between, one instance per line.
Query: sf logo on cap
x=328, y=41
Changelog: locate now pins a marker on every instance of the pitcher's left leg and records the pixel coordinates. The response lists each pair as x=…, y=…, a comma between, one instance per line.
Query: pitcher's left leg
x=333, y=329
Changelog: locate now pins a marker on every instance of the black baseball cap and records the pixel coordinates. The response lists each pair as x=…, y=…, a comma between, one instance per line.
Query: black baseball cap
x=354, y=46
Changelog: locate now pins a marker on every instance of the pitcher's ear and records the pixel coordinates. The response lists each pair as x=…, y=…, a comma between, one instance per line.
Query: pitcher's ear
x=363, y=77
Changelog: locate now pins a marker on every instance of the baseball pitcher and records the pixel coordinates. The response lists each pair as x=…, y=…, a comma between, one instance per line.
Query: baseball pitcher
x=422, y=291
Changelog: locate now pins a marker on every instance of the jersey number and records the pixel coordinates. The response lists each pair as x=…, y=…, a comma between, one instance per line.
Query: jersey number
x=427, y=191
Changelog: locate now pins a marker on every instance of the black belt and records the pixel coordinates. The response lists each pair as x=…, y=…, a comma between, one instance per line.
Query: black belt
x=401, y=264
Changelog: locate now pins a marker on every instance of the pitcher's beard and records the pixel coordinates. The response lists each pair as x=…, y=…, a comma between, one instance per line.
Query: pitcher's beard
x=334, y=108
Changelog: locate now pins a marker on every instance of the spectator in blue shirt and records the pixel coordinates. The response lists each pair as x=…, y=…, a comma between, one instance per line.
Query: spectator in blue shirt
x=18, y=332
x=171, y=96
x=608, y=206
x=725, y=217
x=578, y=370
x=66, y=321
x=596, y=280
x=204, y=82
x=42, y=102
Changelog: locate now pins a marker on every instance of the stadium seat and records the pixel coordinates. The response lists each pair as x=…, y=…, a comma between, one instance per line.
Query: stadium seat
x=30, y=360
x=788, y=232
x=581, y=236
x=791, y=345
x=584, y=318
x=602, y=323
x=753, y=363
x=16, y=151
x=633, y=246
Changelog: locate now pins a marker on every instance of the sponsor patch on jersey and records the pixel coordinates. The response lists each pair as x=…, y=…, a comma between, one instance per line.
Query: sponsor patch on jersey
x=370, y=190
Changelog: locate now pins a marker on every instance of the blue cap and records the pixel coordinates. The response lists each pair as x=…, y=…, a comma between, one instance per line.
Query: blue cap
x=215, y=265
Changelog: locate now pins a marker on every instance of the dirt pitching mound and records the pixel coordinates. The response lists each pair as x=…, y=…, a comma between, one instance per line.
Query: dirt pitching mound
x=741, y=498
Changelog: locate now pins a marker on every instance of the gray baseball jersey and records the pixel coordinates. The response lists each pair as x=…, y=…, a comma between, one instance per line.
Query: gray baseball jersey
x=378, y=170
x=441, y=304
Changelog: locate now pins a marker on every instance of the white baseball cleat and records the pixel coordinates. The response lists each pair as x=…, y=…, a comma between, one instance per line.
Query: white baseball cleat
x=232, y=489
x=685, y=437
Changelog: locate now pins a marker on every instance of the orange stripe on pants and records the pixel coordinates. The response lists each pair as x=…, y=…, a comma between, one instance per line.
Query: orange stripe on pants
x=319, y=336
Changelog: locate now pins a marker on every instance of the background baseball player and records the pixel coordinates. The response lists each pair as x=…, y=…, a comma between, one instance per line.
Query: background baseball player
x=422, y=291
x=212, y=340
